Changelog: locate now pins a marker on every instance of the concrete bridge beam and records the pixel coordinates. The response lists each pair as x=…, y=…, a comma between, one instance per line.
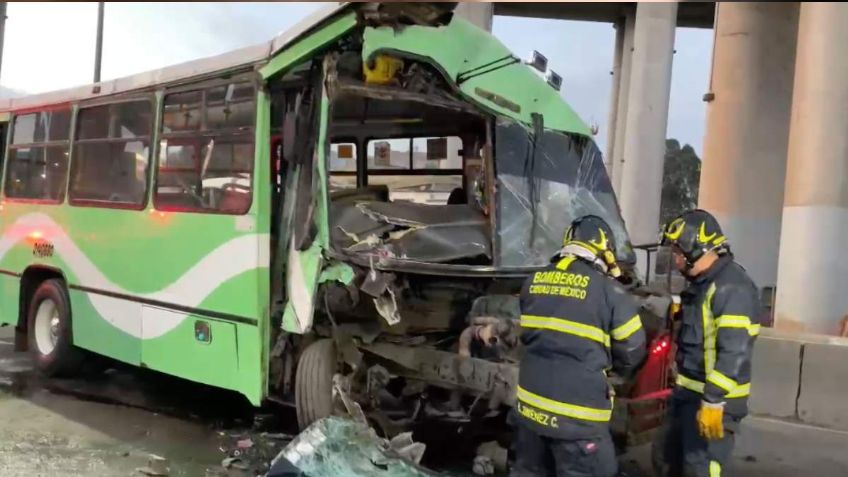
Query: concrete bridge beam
x=747, y=129
x=811, y=294
x=647, y=118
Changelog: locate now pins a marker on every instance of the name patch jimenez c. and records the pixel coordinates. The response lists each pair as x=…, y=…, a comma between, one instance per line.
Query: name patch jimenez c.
x=537, y=416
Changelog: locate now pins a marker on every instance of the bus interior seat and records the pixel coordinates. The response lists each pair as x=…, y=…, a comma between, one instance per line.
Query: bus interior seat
x=234, y=200
x=457, y=196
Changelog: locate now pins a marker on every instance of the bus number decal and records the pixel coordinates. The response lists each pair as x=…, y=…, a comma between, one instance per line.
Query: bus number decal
x=42, y=249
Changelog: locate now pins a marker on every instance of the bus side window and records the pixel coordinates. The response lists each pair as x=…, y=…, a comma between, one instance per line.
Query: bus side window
x=342, y=162
x=38, y=156
x=206, y=150
x=111, y=153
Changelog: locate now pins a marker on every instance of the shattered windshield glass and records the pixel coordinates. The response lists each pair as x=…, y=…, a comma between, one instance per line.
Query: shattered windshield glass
x=336, y=446
x=543, y=183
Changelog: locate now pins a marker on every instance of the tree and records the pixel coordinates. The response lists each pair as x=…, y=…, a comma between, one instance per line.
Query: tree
x=681, y=175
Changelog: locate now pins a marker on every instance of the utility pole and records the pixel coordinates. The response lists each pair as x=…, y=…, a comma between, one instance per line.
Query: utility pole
x=98, y=52
x=2, y=28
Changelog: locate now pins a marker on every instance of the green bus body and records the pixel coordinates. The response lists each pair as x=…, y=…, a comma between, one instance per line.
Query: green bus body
x=187, y=292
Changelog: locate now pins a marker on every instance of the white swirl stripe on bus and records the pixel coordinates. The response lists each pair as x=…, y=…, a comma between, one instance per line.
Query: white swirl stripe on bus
x=228, y=260
x=301, y=296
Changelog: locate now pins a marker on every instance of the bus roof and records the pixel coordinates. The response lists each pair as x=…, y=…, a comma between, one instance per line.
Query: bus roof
x=236, y=59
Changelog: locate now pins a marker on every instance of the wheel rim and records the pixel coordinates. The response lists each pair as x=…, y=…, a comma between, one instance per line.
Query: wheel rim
x=46, y=326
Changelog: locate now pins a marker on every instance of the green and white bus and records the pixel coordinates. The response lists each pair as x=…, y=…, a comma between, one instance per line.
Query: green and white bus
x=329, y=204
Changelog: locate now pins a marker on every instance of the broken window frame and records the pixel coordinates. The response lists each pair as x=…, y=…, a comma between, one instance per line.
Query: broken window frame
x=341, y=87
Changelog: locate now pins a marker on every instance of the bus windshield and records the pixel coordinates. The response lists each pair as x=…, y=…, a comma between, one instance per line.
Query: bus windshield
x=543, y=183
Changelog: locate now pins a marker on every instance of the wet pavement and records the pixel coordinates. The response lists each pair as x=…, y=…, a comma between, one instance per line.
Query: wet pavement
x=109, y=423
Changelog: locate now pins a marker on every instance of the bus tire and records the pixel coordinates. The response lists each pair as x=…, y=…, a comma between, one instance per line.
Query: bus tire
x=313, y=385
x=49, y=330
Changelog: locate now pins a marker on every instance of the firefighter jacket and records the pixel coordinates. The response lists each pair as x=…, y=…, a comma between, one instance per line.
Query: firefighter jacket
x=720, y=321
x=576, y=324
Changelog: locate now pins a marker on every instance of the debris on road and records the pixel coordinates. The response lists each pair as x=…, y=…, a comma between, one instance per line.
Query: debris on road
x=407, y=448
x=491, y=458
x=234, y=463
x=156, y=467
x=342, y=446
x=249, y=453
x=483, y=466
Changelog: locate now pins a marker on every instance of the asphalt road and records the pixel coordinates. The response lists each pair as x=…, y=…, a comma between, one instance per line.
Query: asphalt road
x=773, y=448
x=109, y=424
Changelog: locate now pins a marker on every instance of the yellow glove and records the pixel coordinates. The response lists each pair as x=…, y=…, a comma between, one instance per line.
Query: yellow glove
x=710, y=420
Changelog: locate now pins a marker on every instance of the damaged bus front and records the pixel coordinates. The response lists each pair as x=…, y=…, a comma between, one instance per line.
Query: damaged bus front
x=445, y=170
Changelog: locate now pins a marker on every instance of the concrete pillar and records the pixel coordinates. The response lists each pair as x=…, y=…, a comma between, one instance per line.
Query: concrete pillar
x=744, y=164
x=478, y=13
x=629, y=27
x=647, y=118
x=614, y=91
x=813, y=267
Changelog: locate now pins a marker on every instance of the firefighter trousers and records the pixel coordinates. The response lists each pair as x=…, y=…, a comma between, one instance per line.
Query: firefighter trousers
x=541, y=456
x=680, y=451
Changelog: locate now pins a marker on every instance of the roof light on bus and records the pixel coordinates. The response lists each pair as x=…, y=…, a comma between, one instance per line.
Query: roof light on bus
x=537, y=61
x=554, y=80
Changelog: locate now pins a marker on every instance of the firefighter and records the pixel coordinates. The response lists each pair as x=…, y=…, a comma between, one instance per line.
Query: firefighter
x=577, y=323
x=719, y=323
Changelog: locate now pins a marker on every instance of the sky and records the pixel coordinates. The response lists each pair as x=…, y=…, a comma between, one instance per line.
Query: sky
x=50, y=46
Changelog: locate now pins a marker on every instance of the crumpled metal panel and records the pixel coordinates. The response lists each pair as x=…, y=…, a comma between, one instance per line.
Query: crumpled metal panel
x=408, y=230
x=460, y=49
x=353, y=230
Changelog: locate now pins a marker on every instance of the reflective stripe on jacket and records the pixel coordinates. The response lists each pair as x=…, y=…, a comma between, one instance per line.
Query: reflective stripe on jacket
x=720, y=322
x=577, y=324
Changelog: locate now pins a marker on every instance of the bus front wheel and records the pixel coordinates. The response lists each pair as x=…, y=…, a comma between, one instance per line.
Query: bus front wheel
x=313, y=386
x=49, y=330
